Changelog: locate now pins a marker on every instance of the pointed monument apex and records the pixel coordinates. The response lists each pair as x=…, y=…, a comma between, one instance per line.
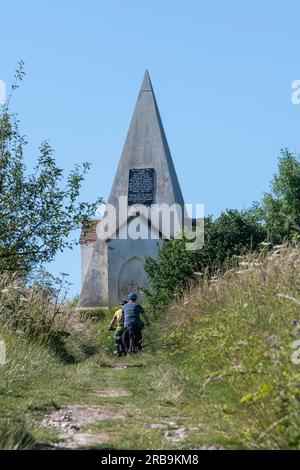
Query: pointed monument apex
x=146, y=147
x=146, y=85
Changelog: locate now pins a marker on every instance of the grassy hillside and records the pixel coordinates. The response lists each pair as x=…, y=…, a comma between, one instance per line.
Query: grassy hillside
x=216, y=371
x=231, y=341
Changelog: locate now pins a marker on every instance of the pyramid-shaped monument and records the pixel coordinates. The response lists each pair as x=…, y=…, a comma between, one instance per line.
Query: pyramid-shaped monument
x=146, y=146
x=113, y=261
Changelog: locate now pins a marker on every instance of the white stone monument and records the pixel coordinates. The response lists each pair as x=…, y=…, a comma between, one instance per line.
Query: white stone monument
x=2, y=352
x=112, y=255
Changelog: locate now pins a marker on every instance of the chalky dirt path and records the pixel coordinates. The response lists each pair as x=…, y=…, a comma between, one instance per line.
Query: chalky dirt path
x=114, y=417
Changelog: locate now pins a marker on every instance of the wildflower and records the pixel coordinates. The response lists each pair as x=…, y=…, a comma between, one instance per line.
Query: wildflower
x=273, y=338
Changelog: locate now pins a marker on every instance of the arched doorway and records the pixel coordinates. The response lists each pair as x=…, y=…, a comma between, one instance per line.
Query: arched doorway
x=132, y=278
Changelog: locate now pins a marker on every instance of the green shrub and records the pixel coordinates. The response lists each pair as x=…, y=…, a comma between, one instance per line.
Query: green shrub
x=232, y=234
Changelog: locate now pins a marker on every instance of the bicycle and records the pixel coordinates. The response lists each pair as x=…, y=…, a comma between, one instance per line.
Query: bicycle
x=134, y=342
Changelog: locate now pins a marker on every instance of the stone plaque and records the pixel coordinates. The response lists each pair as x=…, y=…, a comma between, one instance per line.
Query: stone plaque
x=140, y=187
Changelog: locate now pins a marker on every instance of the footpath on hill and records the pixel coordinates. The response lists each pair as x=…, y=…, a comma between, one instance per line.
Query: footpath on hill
x=219, y=369
x=124, y=409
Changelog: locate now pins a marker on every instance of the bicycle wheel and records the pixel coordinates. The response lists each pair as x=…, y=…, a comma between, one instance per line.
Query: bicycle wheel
x=132, y=343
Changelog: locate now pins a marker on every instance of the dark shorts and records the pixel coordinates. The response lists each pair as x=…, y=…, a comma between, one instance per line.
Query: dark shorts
x=120, y=348
x=136, y=329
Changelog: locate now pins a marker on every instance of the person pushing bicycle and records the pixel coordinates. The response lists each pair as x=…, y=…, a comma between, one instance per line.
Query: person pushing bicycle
x=132, y=311
x=117, y=324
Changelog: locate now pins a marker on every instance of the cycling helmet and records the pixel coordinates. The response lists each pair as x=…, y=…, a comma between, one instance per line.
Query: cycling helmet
x=132, y=296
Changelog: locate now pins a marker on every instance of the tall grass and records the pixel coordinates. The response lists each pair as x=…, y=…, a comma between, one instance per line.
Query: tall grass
x=35, y=311
x=46, y=342
x=233, y=337
x=40, y=313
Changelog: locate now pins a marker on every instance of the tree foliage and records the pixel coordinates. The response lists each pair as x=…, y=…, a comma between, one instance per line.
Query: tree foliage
x=280, y=209
x=38, y=210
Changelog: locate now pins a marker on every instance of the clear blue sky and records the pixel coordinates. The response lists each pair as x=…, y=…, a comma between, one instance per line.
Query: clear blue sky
x=221, y=71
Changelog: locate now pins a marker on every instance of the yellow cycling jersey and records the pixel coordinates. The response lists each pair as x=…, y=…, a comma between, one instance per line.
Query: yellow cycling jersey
x=118, y=320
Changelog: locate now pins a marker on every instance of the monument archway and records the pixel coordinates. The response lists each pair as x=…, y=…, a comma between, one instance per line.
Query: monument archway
x=132, y=278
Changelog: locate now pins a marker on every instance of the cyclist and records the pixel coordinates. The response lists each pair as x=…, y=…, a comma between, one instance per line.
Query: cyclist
x=133, y=325
x=118, y=325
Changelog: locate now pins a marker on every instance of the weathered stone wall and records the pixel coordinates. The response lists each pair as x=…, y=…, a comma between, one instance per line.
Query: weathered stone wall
x=125, y=264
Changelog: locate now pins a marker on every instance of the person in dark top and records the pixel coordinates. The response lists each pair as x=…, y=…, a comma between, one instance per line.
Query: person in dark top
x=132, y=312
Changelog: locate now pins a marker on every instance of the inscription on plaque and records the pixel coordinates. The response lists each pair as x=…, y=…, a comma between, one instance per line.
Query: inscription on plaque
x=140, y=187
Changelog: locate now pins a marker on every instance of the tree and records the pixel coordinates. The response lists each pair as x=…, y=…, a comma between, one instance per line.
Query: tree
x=38, y=210
x=281, y=206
